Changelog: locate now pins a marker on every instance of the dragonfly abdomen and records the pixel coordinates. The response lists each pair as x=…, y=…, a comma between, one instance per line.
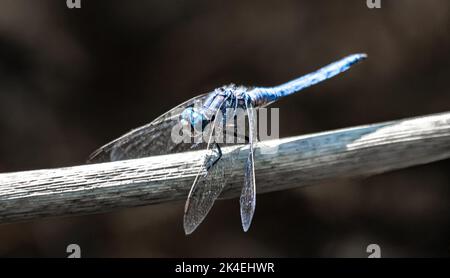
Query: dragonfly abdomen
x=261, y=95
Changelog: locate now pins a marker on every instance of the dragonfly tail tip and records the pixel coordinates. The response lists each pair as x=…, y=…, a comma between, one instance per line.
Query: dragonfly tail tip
x=361, y=56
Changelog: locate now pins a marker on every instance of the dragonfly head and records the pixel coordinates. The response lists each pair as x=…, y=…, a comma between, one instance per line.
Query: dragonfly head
x=190, y=117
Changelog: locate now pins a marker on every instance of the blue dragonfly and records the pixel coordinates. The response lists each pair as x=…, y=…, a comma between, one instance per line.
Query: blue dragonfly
x=156, y=138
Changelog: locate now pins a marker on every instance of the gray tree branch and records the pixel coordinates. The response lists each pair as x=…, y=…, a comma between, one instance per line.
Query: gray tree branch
x=280, y=164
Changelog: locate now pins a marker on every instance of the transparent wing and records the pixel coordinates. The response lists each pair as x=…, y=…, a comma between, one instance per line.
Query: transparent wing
x=210, y=180
x=248, y=194
x=151, y=139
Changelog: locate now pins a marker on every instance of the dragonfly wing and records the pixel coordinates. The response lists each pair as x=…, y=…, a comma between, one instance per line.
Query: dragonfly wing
x=210, y=180
x=206, y=188
x=248, y=194
x=151, y=139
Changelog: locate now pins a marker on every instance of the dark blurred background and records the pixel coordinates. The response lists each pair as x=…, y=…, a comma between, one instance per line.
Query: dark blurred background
x=72, y=80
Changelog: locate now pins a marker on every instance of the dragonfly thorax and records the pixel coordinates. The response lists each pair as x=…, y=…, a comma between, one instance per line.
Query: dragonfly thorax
x=229, y=97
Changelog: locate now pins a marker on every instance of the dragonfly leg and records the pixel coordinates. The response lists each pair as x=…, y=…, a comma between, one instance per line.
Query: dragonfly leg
x=246, y=139
x=212, y=161
x=195, y=145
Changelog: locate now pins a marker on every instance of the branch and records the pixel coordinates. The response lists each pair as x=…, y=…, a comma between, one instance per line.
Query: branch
x=280, y=164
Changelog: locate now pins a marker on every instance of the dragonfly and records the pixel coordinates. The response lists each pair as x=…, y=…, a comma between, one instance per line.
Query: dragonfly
x=156, y=138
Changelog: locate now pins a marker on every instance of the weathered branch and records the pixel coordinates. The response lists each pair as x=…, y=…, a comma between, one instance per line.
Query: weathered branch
x=280, y=164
